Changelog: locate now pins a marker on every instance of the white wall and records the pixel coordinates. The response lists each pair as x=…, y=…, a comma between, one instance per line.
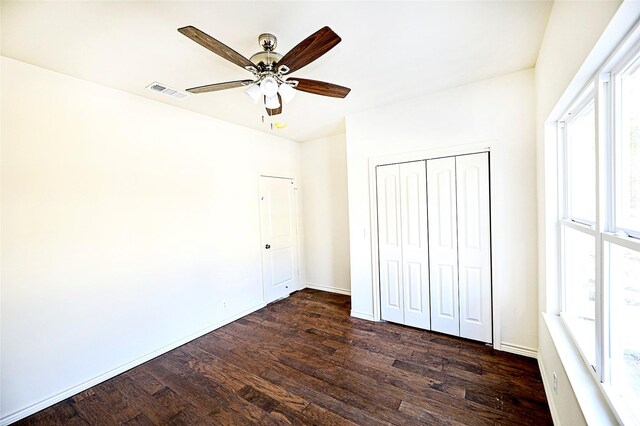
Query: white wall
x=326, y=214
x=572, y=31
x=125, y=225
x=499, y=110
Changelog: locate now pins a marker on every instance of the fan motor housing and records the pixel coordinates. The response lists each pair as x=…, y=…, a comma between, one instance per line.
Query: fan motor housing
x=266, y=59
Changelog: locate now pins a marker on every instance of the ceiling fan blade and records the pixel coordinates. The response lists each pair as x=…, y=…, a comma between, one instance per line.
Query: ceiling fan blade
x=274, y=111
x=216, y=47
x=321, y=88
x=310, y=49
x=219, y=86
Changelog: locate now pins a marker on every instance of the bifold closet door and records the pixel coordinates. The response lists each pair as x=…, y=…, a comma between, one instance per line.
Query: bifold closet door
x=415, y=244
x=403, y=244
x=443, y=245
x=474, y=248
x=389, y=244
x=460, y=246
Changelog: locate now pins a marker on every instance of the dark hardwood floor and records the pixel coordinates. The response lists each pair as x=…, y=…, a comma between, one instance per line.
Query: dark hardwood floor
x=304, y=360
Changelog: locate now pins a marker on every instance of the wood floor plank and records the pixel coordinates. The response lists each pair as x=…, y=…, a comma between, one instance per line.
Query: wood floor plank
x=319, y=416
x=345, y=397
x=313, y=372
x=139, y=420
x=337, y=400
x=423, y=415
x=304, y=360
x=120, y=411
x=93, y=410
x=254, y=387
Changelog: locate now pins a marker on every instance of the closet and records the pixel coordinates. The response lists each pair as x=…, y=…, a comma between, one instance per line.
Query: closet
x=434, y=244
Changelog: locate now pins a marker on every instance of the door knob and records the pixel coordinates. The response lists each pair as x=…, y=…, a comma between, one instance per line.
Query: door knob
x=267, y=246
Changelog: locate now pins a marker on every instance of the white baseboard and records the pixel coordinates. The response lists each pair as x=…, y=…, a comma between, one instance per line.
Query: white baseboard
x=328, y=288
x=519, y=350
x=548, y=389
x=362, y=315
x=34, y=408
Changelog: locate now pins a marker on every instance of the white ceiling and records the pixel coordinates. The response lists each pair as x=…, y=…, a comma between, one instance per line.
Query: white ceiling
x=389, y=51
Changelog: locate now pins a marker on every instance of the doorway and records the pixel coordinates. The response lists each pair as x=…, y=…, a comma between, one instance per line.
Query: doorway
x=278, y=237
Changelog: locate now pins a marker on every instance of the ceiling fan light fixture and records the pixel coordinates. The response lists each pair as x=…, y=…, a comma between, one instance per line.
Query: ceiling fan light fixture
x=272, y=102
x=286, y=92
x=269, y=68
x=254, y=92
x=269, y=87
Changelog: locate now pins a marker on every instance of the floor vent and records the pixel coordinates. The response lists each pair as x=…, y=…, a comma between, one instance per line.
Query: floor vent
x=162, y=88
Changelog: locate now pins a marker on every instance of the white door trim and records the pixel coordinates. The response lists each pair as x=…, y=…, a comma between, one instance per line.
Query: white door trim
x=292, y=177
x=471, y=148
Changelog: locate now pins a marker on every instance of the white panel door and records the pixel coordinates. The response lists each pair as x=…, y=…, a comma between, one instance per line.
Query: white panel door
x=389, y=243
x=443, y=241
x=474, y=246
x=278, y=237
x=415, y=244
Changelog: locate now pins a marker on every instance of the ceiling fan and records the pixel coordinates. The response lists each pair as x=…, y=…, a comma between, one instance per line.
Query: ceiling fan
x=271, y=69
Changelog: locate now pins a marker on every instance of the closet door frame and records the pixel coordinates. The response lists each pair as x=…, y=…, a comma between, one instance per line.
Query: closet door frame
x=476, y=148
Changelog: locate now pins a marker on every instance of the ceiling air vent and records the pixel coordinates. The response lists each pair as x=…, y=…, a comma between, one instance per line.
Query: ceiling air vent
x=162, y=88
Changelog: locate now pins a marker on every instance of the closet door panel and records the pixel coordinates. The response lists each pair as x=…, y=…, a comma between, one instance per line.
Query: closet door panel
x=390, y=243
x=474, y=246
x=415, y=244
x=443, y=241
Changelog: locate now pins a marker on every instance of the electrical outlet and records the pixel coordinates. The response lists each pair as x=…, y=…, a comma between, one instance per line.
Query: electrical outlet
x=224, y=305
x=555, y=383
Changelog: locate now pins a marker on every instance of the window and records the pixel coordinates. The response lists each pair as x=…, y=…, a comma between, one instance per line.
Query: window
x=600, y=228
x=578, y=238
x=624, y=290
x=628, y=151
x=581, y=155
x=579, y=295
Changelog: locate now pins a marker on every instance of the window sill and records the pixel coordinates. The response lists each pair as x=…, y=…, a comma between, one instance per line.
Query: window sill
x=582, y=336
x=588, y=392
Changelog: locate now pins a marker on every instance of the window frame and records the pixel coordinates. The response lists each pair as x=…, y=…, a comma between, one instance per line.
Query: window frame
x=567, y=220
x=586, y=97
x=632, y=57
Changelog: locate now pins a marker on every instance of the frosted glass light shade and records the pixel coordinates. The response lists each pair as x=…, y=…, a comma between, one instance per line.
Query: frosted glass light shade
x=254, y=92
x=286, y=92
x=272, y=102
x=269, y=87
